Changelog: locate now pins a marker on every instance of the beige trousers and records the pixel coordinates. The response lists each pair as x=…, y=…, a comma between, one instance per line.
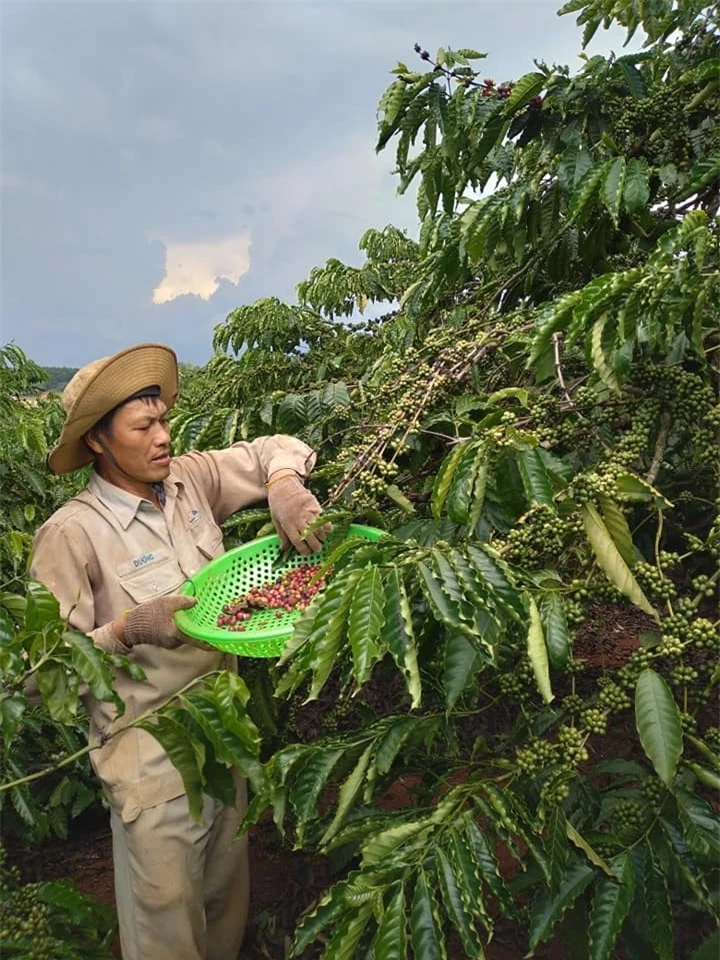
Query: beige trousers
x=181, y=887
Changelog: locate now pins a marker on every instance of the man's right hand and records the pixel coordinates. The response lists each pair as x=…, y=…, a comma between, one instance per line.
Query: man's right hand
x=153, y=622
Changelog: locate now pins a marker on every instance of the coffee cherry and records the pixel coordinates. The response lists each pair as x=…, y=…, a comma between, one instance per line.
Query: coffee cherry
x=294, y=589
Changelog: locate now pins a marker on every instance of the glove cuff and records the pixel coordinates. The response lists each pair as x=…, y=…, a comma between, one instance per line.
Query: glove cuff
x=288, y=475
x=137, y=626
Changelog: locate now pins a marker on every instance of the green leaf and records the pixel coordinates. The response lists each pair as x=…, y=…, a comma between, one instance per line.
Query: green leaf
x=700, y=825
x=610, y=907
x=442, y=606
x=617, y=527
x=347, y=794
x=444, y=478
x=523, y=91
x=574, y=163
x=535, y=477
x=449, y=576
x=426, y=935
x=391, y=939
x=460, y=665
x=557, y=847
x=231, y=697
x=657, y=718
x=53, y=684
x=599, y=352
x=496, y=574
x=708, y=778
x=548, y=910
x=458, y=900
x=345, y=938
x=465, y=488
x=8, y=630
x=682, y=867
x=89, y=662
x=398, y=497
x=331, y=906
x=637, y=185
x=365, y=622
x=399, y=636
x=634, y=488
x=231, y=746
x=41, y=607
x=22, y=804
x=582, y=844
x=581, y=201
x=538, y=653
x=12, y=708
x=703, y=172
x=329, y=628
x=613, y=186
x=186, y=757
x=486, y=863
x=312, y=774
x=557, y=633
x=382, y=846
x=610, y=559
x=509, y=813
x=391, y=742
x=634, y=79
x=656, y=902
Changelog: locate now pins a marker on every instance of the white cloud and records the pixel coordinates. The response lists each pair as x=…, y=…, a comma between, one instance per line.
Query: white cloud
x=197, y=268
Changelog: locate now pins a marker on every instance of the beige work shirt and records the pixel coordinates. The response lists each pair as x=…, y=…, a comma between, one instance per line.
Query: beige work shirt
x=107, y=550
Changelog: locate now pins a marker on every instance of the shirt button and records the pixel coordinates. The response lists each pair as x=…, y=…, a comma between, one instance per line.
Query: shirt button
x=154, y=586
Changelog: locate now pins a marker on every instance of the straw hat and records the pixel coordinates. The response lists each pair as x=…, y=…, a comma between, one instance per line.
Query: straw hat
x=102, y=385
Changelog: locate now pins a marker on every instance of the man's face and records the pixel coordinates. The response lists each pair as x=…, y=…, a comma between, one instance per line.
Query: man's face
x=139, y=440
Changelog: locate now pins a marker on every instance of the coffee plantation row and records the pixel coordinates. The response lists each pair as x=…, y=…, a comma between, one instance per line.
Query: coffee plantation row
x=525, y=398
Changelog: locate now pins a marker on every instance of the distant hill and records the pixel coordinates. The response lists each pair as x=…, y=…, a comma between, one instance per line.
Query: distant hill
x=57, y=378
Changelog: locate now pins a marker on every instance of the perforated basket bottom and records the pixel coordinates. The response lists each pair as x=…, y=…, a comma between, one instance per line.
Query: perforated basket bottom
x=232, y=575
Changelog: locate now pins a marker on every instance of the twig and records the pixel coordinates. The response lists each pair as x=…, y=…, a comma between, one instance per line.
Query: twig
x=557, y=340
x=557, y=343
x=104, y=737
x=660, y=448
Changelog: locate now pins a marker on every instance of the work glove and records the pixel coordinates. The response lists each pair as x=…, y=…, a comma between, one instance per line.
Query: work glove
x=292, y=508
x=153, y=622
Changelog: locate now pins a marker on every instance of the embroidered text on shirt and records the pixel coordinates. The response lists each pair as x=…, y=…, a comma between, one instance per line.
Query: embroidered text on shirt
x=143, y=559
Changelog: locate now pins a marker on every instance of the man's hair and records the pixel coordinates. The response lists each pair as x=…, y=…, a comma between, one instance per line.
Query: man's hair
x=104, y=424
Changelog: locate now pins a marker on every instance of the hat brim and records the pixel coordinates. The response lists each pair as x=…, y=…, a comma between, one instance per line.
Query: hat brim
x=126, y=372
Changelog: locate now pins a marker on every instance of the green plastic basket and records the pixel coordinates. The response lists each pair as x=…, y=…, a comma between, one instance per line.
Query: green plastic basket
x=234, y=573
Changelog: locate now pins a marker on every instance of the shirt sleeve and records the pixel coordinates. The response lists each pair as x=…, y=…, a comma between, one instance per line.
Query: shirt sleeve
x=62, y=564
x=235, y=477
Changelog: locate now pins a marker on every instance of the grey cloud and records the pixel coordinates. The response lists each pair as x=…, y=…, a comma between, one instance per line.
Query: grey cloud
x=124, y=123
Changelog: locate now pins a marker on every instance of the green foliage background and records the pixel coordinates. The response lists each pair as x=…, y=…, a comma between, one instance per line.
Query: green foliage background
x=532, y=415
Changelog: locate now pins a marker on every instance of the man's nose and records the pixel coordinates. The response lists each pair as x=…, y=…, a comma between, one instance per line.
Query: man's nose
x=162, y=434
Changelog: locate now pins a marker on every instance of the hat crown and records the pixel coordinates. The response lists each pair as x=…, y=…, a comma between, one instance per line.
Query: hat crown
x=77, y=384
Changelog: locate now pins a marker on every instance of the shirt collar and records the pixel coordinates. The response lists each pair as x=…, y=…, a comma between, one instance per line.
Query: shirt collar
x=124, y=505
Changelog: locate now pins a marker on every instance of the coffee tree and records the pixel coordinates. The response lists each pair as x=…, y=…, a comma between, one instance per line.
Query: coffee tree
x=531, y=415
x=534, y=422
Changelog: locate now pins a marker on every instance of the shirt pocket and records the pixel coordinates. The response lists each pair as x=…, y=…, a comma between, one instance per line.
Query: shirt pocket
x=154, y=580
x=210, y=543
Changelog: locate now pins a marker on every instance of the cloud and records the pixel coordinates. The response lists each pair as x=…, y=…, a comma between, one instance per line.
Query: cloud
x=197, y=268
x=121, y=122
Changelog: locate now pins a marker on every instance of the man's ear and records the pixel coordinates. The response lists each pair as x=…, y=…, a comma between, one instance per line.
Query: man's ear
x=92, y=441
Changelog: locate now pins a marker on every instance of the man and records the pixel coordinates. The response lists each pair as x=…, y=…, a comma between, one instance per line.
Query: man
x=115, y=557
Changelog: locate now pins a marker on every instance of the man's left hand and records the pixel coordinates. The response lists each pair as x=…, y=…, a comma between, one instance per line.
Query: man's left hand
x=292, y=509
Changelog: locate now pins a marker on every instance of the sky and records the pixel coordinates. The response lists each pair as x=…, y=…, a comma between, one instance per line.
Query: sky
x=165, y=162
